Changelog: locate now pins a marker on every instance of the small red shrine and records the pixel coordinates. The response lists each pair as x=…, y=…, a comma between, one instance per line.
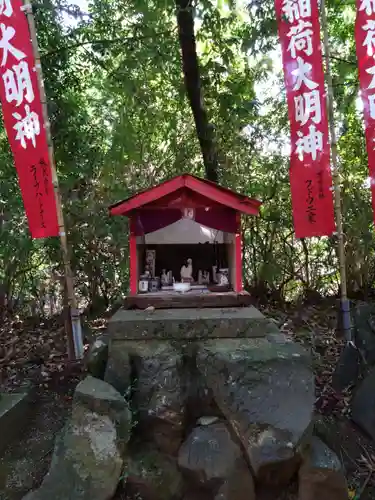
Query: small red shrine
x=185, y=235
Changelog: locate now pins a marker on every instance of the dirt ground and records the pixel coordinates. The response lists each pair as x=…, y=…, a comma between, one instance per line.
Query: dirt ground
x=25, y=462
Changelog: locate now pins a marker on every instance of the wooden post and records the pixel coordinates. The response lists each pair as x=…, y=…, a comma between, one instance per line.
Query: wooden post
x=345, y=304
x=74, y=333
x=133, y=258
x=238, y=255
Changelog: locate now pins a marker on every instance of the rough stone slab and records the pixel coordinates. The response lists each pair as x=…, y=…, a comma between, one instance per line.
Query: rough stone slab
x=14, y=413
x=158, y=394
x=118, y=369
x=209, y=454
x=152, y=475
x=97, y=356
x=347, y=369
x=94, y=392
x=89, y=453
x=321, y=475
x=179, y=324
x=210, y=459
x=364, y=329
x=240, y=486
x=265, y=389
x=363, y=405
x=322, y=457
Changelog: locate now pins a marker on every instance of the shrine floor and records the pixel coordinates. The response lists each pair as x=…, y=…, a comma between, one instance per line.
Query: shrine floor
x=191, y=299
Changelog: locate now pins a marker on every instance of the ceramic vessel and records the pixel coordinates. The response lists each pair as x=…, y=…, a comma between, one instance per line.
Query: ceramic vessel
x=181, y=287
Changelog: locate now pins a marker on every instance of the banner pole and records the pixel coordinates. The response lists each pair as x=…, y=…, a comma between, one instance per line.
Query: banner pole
x=74, y=330
x=345, y=304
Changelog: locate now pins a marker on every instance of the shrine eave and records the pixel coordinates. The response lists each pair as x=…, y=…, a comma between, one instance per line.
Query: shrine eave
x=215, y=194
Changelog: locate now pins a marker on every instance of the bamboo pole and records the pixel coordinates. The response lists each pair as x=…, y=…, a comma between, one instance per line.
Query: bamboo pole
x=345, y=304
x=74, y=329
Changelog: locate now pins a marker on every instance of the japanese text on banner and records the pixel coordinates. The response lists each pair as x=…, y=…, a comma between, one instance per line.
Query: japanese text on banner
x=365, y=43
x=23, y=119
x=310, y=174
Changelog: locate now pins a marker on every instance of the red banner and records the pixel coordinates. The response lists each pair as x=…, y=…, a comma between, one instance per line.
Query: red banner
x=310, y=174
x=23, y=118
x=365, y=41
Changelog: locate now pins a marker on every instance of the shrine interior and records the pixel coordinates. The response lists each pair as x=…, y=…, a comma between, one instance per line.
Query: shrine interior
x=167, y=250
x=172, y=257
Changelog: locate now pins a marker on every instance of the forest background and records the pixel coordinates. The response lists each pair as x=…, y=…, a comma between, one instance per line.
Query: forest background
x=126, y=113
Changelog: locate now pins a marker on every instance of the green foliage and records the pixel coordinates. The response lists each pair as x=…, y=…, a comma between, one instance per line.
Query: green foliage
x=121, y=122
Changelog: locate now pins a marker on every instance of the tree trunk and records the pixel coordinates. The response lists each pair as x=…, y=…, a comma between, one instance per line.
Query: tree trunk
x=205, y=130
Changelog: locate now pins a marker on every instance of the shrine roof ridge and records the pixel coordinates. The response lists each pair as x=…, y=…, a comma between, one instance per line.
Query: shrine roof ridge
x=203, y=187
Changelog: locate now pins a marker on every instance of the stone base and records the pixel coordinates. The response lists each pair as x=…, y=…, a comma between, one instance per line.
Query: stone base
x=14, y=413
x=180, y=365
x=221, y=408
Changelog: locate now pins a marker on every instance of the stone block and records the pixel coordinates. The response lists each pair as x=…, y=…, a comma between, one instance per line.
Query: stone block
x=364, y=329
x=321, y=475
x=363, y=405
x=118, y=368
x=178, y=324
x=97, y=357
x=265, y=389
x=152, y=475
x=14, y=416
x=212, y=461
x=209, y=455
x=89, y=453
x=158, y=393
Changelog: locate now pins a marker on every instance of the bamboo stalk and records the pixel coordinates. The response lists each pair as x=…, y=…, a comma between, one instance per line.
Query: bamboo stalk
x=74, y=329
x=345, y=304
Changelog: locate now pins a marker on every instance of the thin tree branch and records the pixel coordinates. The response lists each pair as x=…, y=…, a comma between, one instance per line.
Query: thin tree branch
x=352, y=62
x=106, y=41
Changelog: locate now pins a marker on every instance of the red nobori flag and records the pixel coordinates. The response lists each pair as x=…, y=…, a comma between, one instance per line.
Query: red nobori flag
x=23, y=118
x=365, y=42
x=310, y=174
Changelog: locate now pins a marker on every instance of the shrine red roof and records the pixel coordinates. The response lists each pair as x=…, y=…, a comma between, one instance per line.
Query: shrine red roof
x=182, y=190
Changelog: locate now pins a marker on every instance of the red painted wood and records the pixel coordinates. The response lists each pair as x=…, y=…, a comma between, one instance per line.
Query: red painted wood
x=211, y=191
x=238, y=287
x=145, y=197
x=224, y=196
x=182, y=198
x=133, y=267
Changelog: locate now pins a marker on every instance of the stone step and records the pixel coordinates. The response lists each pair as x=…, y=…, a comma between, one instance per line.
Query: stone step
x=182, y=324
